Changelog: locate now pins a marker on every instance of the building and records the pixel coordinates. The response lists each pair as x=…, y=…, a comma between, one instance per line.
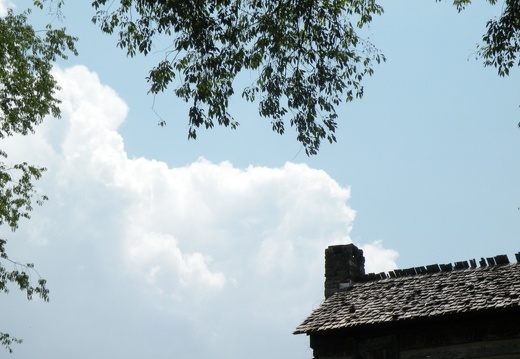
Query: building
x=451, y=311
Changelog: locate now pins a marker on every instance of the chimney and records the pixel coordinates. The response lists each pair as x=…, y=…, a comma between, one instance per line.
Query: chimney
x=344, y=265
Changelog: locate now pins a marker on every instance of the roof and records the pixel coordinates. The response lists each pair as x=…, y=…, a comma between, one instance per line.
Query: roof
x=427, y=295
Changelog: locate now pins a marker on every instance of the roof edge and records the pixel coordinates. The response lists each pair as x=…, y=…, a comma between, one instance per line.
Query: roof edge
x=495, y=261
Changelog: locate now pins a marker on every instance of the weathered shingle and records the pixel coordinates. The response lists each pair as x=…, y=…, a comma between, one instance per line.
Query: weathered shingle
x=419, y=296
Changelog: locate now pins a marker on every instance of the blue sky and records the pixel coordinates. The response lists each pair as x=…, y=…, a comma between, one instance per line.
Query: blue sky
x=157, y=246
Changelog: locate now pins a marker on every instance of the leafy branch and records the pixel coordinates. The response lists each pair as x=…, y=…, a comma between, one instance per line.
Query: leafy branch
x=308, y=54
x=27, y=95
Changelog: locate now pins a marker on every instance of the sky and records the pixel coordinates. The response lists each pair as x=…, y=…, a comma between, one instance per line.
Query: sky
x=155, y=246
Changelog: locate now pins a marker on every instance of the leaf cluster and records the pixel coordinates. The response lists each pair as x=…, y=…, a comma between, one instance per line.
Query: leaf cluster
x=307, y=56
x=6, y=340
x=502, y=39
x=27, y=87
x=17, y=191
x=20, y=276
x=501, y=42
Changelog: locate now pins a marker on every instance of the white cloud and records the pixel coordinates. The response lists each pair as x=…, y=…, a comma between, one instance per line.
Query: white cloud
x=222, y=247
x=378, y=258
x=159, y=258
x=4, y=5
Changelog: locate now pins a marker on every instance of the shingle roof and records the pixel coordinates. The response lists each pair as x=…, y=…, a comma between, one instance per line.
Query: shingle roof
x=418, y=296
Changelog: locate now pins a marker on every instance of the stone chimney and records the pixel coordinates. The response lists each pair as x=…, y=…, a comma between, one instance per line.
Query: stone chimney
x=344, y=265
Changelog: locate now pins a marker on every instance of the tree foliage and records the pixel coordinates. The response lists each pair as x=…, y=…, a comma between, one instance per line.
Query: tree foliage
x=501, y=42
x=27, y=95
x=306, y=55
x=502, y=39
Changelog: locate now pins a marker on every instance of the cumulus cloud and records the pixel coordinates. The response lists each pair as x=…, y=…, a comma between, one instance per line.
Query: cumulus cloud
x=3, y=8
x=194, y=241
x=380, y=259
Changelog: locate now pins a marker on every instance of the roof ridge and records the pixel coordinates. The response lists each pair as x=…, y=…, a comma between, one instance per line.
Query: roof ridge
x=496, y=261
